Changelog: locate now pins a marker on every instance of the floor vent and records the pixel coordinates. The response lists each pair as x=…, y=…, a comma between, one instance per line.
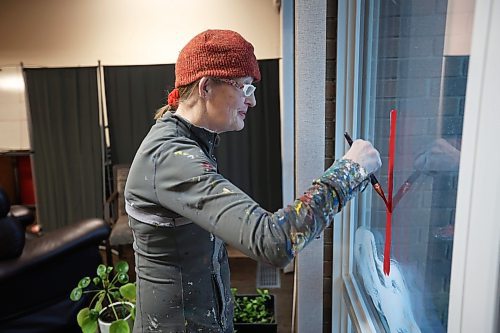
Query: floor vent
x=267, y=276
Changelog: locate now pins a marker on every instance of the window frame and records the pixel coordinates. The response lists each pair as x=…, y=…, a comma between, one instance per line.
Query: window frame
x=348, y=306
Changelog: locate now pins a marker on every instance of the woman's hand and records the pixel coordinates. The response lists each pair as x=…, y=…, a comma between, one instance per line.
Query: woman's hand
x=363, y=153
x=440, y=156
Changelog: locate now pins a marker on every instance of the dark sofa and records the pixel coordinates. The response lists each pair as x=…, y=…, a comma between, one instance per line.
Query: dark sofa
x=37, y=278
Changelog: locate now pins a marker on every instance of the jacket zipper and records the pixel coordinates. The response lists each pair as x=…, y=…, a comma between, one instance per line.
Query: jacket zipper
x=218, y=300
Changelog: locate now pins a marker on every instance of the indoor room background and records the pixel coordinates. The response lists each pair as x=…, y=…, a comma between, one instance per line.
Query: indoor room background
x=111, y=63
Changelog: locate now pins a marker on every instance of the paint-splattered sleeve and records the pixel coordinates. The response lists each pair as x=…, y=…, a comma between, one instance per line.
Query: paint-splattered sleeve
x=187, y=182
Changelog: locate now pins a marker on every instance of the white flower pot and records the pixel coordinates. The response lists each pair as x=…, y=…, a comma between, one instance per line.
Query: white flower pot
x=104, y=326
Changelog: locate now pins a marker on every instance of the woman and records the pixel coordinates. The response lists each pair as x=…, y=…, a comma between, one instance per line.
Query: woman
x=182, y=211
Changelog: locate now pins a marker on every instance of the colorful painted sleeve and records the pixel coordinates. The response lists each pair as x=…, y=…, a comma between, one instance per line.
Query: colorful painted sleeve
x=186, y=182
x=314, y=210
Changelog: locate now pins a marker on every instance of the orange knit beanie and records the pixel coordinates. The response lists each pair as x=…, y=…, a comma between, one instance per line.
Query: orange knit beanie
x=217, y=53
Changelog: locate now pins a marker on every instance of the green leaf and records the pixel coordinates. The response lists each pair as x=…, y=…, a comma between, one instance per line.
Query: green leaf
x=94, y=314
x=128, y=291
x=98, y=306
x=101, y=271
x=115, y=295
x=119, y=326
x=96, y=280
x=109, y=269
x=123, y=277
x=132, y=312
x=253, y=309
x=84, y=282
x=76, y=294
x=122, y=267
x=82, y=315
x=89, y=326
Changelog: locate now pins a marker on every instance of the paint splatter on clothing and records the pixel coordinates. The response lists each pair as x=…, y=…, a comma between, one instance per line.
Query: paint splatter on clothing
x=175, y=194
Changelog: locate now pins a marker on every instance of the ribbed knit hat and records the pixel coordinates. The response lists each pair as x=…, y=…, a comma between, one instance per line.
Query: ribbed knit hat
x=217, y=53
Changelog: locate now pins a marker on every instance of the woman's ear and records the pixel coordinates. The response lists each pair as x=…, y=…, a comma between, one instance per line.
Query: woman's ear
x=203, y=87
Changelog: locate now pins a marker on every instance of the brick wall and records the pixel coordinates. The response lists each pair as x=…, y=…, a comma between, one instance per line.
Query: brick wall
x=331, y=64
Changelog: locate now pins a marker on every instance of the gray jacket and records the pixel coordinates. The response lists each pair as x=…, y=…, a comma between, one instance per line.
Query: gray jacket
x=174, y=184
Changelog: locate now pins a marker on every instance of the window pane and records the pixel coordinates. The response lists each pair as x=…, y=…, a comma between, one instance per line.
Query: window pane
x=415, y=60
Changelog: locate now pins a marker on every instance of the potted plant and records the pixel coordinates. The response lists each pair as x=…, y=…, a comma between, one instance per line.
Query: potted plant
x=254, y=313
x=112, y=303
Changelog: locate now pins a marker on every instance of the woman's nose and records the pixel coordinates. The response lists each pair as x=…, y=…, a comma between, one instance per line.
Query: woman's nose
x=251, y=101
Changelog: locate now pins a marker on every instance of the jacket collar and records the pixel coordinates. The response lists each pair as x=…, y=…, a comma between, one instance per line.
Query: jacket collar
x=208, y=139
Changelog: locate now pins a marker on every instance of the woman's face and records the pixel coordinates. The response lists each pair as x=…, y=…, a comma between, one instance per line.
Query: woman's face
x=227, y=104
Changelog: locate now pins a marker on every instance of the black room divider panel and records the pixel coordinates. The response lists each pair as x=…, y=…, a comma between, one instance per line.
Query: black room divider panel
x=251, y=159
x=67, y=144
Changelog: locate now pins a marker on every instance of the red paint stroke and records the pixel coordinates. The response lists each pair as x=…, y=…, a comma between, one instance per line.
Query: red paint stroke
x=405, y=188
x=390, y=185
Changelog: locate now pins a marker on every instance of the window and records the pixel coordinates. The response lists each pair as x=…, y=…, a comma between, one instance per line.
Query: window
x=409, y=57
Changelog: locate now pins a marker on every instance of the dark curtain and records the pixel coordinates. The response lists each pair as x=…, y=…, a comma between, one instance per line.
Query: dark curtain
x=251, y=158
x=133, y=94
x=66, y=138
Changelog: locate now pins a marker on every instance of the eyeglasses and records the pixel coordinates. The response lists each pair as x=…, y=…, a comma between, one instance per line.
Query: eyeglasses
x=247, y=89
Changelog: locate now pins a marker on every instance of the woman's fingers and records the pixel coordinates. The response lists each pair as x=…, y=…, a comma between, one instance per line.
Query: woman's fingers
x=363, y=153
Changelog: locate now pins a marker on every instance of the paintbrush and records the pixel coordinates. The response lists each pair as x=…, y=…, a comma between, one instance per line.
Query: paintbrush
x=373, y=180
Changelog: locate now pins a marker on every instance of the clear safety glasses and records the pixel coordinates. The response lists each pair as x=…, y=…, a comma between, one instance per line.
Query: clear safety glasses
x=247, y=89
